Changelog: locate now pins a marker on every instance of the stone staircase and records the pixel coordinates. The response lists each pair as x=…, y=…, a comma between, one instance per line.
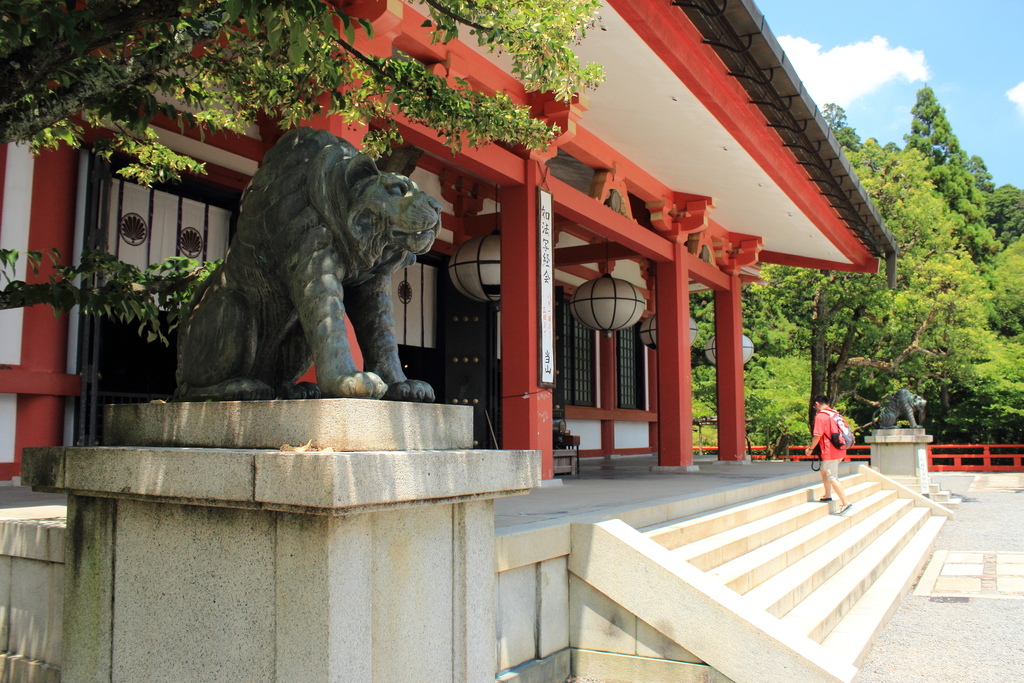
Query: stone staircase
x=835, y=579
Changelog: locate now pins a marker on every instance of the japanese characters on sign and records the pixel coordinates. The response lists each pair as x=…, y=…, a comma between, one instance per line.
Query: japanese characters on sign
x=546, y=290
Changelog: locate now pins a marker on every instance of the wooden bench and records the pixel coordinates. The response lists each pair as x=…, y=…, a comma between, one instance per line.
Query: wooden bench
x=567, y=461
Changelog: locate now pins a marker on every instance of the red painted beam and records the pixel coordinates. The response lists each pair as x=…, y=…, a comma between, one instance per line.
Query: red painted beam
x=596, y=153
x=605, y=222
x=817, y=264
x=729, y=371
x=704, y=273
x=591, y=253
x=40, y=416
x=675, y=401
x=490, y=162
x=18, y=380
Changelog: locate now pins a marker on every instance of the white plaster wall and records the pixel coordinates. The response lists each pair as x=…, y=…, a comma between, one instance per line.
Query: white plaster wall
x=632, y=435
x=69, y=421
x=81, y=201
x=416, y=319
x=8, y=420
x=14, y=229
x=589, y=432
x=431, y=184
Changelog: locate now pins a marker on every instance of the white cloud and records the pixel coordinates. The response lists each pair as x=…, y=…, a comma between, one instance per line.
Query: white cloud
x=848, y=72
x=1016, y=95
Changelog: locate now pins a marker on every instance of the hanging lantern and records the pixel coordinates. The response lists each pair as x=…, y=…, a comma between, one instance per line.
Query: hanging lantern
x=649, y=332
x=607, y=303
x=475, y=268
x=746, y=345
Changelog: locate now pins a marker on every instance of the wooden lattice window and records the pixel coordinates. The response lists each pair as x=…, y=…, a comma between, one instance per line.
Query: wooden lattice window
x=630, y=352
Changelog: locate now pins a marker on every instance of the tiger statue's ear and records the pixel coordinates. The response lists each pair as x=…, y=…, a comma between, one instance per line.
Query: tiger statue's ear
x=361, y=168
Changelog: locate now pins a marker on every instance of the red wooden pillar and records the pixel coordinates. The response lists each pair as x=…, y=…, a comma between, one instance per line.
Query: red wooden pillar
x=525, y=406
x=729, y=366
x=652, y=397
x=675, y=404
x=44, y=346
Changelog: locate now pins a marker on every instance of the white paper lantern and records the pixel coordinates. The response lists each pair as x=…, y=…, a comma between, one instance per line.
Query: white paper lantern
x=607, y=303
x=747, y=346
x=649, y=332
x=475, y=268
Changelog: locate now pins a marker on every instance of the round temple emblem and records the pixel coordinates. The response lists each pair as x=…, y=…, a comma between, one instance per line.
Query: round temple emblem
x=190, y=243
x=404, y=292
x=133, y=229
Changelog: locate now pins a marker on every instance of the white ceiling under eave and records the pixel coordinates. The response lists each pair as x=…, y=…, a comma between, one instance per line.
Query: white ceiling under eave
x=644, y=112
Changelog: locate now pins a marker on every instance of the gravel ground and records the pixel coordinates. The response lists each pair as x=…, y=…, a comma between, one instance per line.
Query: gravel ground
x=964, y=640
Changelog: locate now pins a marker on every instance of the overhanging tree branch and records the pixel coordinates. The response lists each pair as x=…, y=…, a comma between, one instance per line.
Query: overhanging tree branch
x=93, y=88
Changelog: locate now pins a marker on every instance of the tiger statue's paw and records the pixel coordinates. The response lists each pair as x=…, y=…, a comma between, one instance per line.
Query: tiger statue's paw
x=356, y=385
x=410, y=390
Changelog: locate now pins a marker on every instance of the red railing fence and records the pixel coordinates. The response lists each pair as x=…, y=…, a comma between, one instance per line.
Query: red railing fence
x=855, y=453
x=976, y=458
x=941, y=458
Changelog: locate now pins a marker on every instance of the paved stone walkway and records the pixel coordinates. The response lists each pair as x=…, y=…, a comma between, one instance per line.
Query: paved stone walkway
x=964, y=621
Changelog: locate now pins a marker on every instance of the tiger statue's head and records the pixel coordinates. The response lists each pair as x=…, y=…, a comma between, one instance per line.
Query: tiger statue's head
x=379, y=221
x=382, y=219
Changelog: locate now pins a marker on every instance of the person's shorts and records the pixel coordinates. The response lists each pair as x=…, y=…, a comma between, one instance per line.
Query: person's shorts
x=831, y=469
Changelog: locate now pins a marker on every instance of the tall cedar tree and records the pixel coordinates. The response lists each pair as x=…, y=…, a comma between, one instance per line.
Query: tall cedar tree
x=951, y=173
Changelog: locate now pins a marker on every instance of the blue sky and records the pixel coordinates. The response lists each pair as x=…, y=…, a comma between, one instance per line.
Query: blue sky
x=872, y=56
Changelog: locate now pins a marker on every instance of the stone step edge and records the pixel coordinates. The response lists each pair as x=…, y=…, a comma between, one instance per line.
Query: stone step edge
x=817, y=614
x=855, y=635
x=742, y=513
x=677, y=595
x=758, y=566
x=746, y=538
x=788, y=588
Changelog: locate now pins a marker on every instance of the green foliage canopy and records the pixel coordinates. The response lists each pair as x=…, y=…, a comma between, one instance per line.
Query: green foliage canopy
x=954, y=176
x=1005, y=213
x=225, y=65
x=229, y=64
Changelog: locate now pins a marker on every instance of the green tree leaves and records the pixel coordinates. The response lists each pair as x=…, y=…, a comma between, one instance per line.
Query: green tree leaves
x=954, y=176
x=1005, y=213
x=227, y=65
x=860, y=341
x=101, y=285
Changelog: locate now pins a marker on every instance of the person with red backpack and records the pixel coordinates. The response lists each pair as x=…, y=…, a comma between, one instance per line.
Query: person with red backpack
x=825, y=425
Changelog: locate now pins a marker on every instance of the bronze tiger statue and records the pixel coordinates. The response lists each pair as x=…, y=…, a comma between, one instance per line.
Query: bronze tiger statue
x=901, y=405
x=321, y=231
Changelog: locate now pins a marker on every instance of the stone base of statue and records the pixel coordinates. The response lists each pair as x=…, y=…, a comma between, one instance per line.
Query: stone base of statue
x=236, y=561
x=902, y=455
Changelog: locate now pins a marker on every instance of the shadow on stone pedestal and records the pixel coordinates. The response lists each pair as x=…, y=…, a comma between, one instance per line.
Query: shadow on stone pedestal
x=232, y=561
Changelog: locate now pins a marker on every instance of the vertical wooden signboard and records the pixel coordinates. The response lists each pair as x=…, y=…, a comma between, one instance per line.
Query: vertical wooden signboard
x=546, y=289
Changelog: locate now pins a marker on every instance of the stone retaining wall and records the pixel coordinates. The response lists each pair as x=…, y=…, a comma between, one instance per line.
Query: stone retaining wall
x=31, y=599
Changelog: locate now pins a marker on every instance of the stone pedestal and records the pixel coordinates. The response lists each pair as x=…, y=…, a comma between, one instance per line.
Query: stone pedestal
x=901, y=455
x=239, y=562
